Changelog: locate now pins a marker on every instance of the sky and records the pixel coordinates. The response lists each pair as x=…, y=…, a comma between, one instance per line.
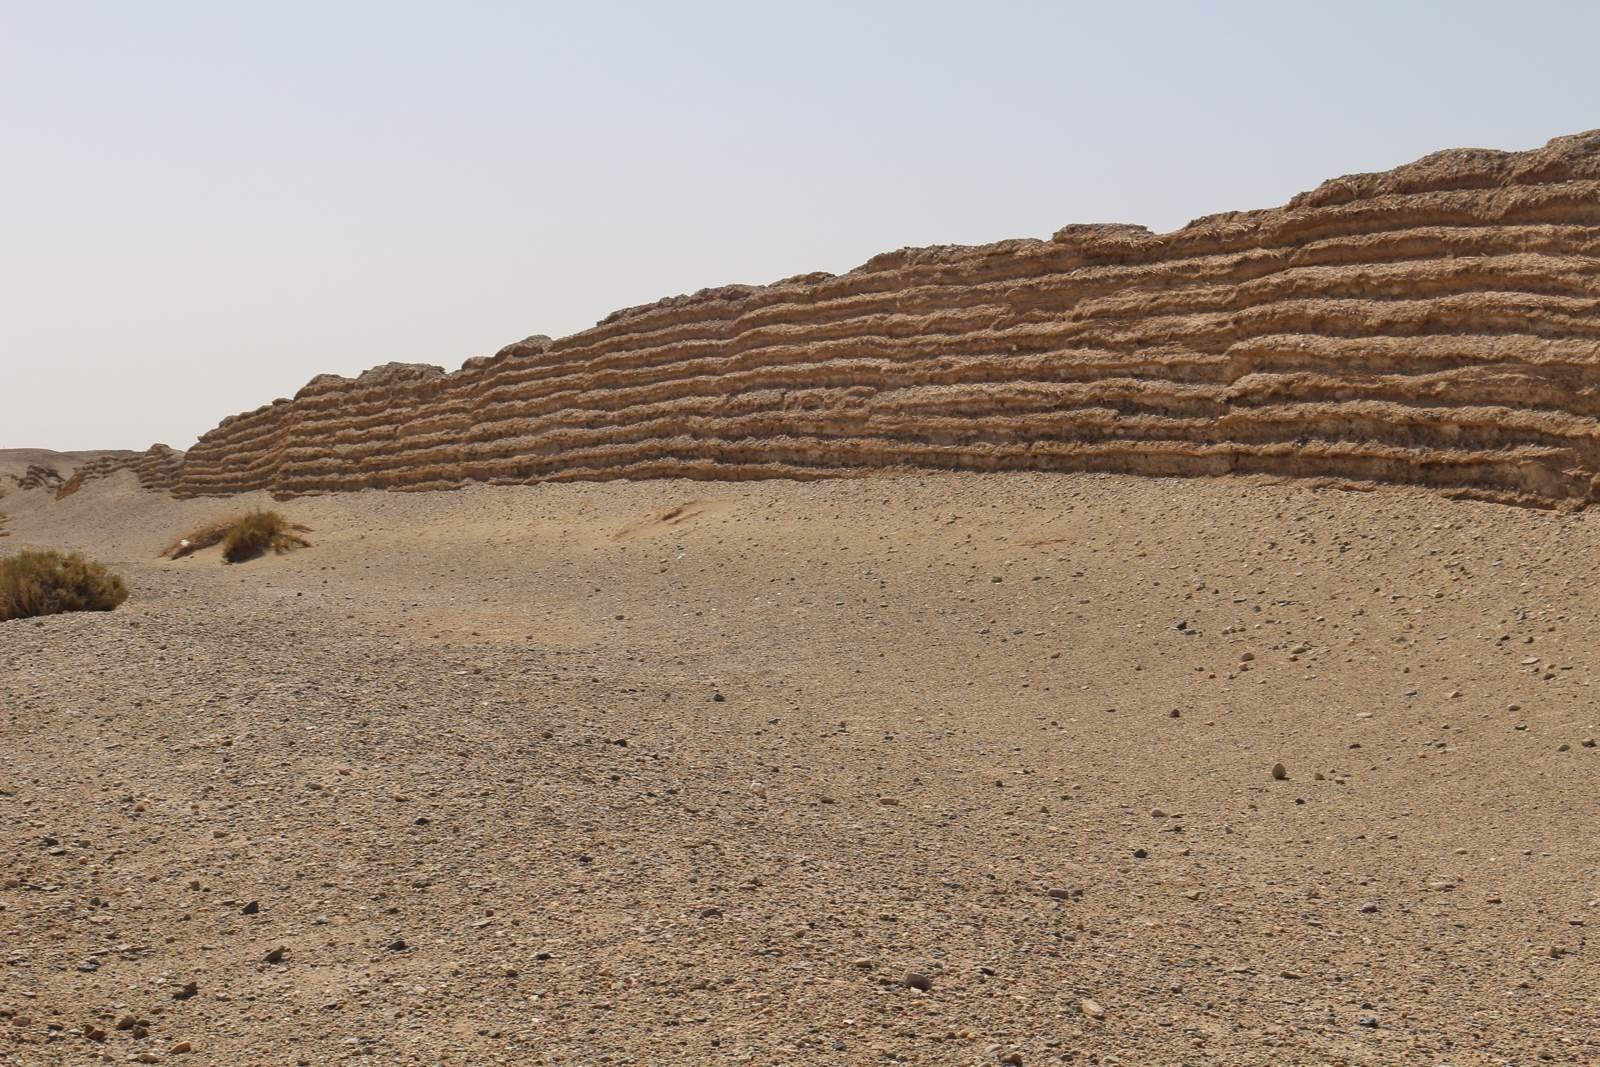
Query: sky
x=204, y=205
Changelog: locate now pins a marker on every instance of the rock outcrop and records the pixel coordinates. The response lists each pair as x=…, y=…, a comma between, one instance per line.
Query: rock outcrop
x=157, y=468
x=40, y=477
x=1435, y=324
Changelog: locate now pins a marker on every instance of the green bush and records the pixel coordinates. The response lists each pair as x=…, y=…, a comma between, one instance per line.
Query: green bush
x=49, y=583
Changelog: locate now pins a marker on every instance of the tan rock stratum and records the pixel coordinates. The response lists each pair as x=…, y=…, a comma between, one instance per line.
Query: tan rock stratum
x=1435, y=324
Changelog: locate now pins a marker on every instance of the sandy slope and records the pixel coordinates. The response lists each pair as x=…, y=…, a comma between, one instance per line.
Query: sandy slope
x=466, y=755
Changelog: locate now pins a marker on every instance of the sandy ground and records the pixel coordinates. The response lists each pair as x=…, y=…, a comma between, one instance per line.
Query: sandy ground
x=695, y=773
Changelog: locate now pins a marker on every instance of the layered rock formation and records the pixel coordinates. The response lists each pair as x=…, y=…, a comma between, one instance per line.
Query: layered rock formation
x=158, y=468
x=40, y=477
x=1435, y=324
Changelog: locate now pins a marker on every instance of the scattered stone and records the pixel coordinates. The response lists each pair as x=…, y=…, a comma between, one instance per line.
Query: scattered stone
x=275, y=955
x=251, y=908
x=1092, y=1009
x=1279, y=772
x=916, y=980
x=1369, y=908
x=189, y=989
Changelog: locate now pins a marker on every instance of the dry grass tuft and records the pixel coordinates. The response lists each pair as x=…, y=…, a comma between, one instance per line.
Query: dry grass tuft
x=49, y=583
x=259, y=532
x=242, y=537
x=205, y=536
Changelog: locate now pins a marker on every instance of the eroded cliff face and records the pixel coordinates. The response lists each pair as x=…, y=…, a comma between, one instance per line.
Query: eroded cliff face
x=1436, y=324
x=157, y=467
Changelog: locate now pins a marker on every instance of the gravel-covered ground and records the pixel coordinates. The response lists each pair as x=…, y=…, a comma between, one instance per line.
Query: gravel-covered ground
x=923, y=769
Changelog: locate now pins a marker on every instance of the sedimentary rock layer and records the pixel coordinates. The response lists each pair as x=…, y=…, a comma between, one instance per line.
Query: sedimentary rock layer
x=1435, y=324
x=38, y=477
x=157, y=467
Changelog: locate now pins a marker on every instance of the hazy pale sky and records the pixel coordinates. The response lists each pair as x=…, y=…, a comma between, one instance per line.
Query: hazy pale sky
x=203, y=205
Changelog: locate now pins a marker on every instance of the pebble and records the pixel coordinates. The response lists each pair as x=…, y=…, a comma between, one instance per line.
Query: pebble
x=1279, y=772
x=1092, y=1009
x=916, y=980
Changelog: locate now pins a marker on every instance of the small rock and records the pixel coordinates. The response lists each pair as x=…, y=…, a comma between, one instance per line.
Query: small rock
x=251, y=908
x=1369, y=908
x=180, y=1048
x=1279, y=772
x=914, y=980
x=275, y=956
x=1092, y=1009
x=189, y=990
x=1369, y=1021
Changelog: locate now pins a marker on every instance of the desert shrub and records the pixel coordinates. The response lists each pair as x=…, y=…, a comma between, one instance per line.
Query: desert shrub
x=259, y=532
x=49, y=583
x=242, y=537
